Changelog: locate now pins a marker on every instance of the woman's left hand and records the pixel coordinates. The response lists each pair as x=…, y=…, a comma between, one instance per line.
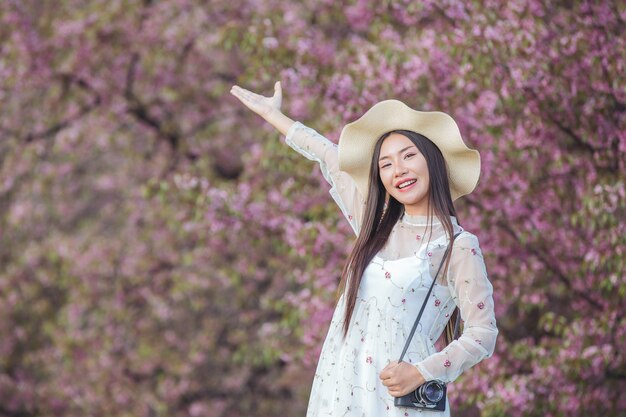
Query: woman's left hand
x=401, y=378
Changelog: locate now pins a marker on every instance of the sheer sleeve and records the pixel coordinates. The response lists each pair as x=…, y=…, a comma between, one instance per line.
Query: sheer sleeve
x=472, y=293
x=316, y=147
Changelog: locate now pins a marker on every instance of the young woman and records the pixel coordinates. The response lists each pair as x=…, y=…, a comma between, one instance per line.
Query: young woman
x=394, y=176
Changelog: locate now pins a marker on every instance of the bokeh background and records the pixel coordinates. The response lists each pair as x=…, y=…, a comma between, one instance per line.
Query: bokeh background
x=163, y=252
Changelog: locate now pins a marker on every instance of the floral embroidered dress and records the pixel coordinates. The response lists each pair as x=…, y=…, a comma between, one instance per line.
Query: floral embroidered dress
x=391, y=292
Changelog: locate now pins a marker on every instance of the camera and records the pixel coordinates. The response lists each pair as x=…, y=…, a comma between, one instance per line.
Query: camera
x=431, y=396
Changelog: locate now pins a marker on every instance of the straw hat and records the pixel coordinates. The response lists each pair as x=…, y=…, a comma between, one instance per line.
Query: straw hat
x=358, y=139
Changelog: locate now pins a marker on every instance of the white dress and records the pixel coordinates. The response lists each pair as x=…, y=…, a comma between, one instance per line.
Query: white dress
x=391, y=292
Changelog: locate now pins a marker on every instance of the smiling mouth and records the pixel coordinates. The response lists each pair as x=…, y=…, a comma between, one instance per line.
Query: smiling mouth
x=406, y=184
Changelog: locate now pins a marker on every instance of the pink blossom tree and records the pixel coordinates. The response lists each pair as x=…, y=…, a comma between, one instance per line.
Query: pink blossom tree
x=164, y=253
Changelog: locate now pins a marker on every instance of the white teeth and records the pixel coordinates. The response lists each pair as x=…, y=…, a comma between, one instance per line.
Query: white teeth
x=406, y=184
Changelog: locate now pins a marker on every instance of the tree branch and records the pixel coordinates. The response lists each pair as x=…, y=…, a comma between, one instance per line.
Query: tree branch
x=84, y=110
x=141, y=111
x=543, y=258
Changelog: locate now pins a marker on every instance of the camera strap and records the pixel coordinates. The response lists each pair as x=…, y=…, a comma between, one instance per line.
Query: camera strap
x=419, y=316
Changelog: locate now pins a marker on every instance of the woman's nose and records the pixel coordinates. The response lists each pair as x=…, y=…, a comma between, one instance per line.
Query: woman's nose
x=400, y=170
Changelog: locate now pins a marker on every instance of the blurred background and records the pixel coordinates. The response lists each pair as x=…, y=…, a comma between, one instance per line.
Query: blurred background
x=163, y=252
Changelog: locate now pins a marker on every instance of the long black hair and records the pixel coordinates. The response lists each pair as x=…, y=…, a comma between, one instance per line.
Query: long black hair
x=378, y=220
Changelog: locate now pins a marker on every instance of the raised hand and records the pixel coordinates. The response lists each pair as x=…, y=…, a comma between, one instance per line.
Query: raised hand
x=266, y=107
x=263, y=106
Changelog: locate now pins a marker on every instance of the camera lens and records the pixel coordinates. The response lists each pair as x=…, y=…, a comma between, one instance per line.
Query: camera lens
x=432, y=391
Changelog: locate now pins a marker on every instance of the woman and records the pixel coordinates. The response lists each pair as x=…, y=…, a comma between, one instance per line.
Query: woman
x=394, y=176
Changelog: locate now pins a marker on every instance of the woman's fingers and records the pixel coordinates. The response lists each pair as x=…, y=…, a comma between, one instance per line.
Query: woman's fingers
x=278, y=95
x=244, y=94
x=278, y=91
x=400, y=378
x=248, y=98
x=393, y=391
x=259, y=104
x=387, y=371
x=249, y=95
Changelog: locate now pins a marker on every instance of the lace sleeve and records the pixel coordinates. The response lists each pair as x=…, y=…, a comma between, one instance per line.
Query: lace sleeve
x=316, y=147
x=472, y=293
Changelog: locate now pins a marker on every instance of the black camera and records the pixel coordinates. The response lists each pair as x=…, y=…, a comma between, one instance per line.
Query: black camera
x=431, y=395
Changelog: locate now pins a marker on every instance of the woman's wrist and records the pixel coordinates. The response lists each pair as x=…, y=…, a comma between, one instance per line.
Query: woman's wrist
x=281, y=122
x=420, y=380
x=423, y=372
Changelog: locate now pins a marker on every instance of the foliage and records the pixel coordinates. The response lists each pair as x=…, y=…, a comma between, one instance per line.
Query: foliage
x=165, y=254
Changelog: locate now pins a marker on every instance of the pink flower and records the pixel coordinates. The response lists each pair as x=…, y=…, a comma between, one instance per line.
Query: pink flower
x=447, y=363
x=437, y=302
x=481, y=305
x=369, y=359
x=387, y=274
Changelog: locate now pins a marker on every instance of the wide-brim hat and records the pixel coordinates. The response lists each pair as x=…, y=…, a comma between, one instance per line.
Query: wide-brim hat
x=358, y=139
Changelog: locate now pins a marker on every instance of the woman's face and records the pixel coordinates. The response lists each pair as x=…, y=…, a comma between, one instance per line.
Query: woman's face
x=404, y=173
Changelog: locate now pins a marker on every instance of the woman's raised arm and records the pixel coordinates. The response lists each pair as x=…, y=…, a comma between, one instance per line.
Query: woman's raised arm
x=313, y=146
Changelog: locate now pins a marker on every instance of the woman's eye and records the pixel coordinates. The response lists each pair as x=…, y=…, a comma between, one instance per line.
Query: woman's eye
x=408, y=155
x=385, y=166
